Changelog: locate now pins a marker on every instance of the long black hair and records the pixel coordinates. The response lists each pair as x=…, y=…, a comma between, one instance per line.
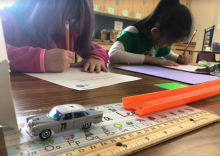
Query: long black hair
x=173, y=19
x=49, y=16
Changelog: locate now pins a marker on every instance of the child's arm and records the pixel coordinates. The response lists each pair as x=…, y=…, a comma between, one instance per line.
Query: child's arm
x=26, y=59
x=22, y=59
x=99, y=53
x=171, y=56
x=119, y=55
x=95, y=60
x=155, y=61
x=181, y=59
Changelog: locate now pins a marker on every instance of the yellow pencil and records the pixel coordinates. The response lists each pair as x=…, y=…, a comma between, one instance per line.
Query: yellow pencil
x=68, y=37
x=189, y=42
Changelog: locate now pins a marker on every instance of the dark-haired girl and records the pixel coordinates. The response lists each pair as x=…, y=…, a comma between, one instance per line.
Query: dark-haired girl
x=152, y=37
x=35, y=36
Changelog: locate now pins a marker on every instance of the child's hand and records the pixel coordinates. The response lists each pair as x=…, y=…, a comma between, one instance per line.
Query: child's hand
x=184, y=59
x=57, y=60
x=91, y=64
x=168, y=63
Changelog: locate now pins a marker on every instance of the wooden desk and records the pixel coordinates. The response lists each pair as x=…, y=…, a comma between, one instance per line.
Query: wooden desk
x=32, y=93
x=216, y=54
x=200, y=51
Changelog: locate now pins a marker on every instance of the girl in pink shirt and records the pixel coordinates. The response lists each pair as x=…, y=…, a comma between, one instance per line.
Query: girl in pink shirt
x=35, y=36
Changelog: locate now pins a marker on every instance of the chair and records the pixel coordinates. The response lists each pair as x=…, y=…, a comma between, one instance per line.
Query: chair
x=207, y=42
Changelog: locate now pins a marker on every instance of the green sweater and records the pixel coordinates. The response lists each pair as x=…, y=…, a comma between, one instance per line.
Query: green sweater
x=136, y=42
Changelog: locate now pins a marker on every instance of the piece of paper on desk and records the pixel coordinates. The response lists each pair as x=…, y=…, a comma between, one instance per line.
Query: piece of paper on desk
x=171, y=85
x=188, y=68
x=74, y=78
x=217, y=97
x=182, y=76
x=7, y=110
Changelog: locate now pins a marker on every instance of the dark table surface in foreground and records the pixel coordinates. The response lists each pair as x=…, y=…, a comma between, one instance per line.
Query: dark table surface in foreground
x=30, y=93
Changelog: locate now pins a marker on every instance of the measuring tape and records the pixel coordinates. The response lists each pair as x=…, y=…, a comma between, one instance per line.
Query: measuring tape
x=135, y=141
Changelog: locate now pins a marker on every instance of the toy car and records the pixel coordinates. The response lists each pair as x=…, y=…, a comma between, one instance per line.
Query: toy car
x=62, y=118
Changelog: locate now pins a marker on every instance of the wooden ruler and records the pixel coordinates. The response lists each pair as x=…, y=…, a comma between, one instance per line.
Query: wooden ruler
x=138, y=140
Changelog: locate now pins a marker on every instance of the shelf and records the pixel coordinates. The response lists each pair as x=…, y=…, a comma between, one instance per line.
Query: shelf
x=104, y=43
x=116, y=16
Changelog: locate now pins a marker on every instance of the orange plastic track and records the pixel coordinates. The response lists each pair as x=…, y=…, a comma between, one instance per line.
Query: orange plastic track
x=159, y=101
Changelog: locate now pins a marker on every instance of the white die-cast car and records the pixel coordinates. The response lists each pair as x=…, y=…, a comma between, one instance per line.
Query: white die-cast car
x=62, y=118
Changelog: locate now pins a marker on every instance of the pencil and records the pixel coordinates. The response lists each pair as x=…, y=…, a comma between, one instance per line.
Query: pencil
x=68, y=37
x=189, y=42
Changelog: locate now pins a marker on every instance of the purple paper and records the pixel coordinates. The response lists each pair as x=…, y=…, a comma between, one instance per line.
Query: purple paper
x=186, y=77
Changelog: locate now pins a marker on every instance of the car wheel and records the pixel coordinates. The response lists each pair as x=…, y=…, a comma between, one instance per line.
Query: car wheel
x=45, y=134
x=87, y=125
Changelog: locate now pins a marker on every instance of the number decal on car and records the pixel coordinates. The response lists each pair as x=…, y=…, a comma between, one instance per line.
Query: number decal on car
x=63, y=126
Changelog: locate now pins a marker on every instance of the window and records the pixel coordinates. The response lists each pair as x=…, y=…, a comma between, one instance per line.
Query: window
x=7, y=3
x=87, y=112
x=55, y=114
x=78, y=115
x=67, y=116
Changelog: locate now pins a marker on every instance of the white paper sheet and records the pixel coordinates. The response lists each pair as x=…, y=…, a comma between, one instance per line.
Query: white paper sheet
x=188, y=68
x=7, y=110
x=74, y=78
x=3, y=53
x=118, y=25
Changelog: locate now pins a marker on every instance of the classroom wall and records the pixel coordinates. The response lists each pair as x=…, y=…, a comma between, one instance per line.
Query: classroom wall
x=204, y=13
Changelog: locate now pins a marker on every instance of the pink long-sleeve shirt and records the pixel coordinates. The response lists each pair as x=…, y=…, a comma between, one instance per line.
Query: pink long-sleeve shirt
x=28, y=56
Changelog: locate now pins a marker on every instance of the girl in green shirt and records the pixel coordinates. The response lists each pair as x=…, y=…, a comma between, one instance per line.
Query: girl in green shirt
x=152, y=37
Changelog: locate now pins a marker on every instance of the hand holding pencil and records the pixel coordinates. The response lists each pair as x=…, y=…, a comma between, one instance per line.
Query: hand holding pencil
x=185, y=58
x=189, y=42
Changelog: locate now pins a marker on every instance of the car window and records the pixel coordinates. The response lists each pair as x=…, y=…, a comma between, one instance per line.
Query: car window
x=55, y=114
x=87, y=112
x=78, y=115
x=67, y=116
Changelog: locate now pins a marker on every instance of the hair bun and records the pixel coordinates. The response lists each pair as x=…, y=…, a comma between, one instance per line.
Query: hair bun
x=176, y=2
x=171, y=2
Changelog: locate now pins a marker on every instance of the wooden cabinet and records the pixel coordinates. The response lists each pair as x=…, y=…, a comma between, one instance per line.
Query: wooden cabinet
x=149, y=7
x=125, y=8
x=106, y=6
x=111, y=6
x=142, y=8
x=97, y=5
x=136, y=9
x=156, y=3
